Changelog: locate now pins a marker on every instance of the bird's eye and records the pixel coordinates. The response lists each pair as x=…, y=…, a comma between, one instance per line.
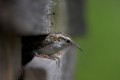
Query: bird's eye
x=68, y=41
x=59, y=39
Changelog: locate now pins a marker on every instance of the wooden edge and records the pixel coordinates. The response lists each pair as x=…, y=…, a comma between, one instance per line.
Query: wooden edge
x=48, y=69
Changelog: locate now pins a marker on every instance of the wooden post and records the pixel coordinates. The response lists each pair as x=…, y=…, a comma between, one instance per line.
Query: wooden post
x=76, y=12
x=28, y=18
x=48, y=69
x=10, y=57
x=18, y=18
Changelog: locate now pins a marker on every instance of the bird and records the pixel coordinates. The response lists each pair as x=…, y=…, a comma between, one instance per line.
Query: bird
x=53, y=43
x=29, y=44
x=44, y=45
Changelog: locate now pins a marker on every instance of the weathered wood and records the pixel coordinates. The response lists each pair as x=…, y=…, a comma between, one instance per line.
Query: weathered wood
x=31, y=17
x=23, y=17
x=76, y=13
x=48, y=69
x=60, y=19
x=68, y=64
x=26, y=17
x=10, y=57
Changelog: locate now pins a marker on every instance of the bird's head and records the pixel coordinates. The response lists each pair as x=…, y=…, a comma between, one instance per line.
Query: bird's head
x=65, y=40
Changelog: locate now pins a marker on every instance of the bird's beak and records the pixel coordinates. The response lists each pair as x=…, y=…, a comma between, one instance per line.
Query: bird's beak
x=77, y=46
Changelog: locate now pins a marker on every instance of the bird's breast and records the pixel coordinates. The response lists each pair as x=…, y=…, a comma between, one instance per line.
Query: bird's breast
x=49, y=49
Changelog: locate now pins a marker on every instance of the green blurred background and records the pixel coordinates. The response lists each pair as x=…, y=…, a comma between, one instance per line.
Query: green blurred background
x=101, y=44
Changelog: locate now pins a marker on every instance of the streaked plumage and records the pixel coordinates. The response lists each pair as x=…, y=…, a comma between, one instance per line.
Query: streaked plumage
x=44, y=44
x=55, y=42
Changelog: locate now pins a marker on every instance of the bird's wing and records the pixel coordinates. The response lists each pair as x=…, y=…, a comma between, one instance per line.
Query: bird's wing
x=50, y=39
x=49, y=49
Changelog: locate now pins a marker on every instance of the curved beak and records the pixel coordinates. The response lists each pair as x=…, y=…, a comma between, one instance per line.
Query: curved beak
x=77, y=46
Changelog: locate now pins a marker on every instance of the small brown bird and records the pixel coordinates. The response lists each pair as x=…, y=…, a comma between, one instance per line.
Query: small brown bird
x=55, y=42
x=45, y=46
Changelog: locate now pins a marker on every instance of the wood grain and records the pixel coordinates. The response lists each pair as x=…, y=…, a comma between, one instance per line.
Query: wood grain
x=48, y=69
x=26, y=17
x=10, y=57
